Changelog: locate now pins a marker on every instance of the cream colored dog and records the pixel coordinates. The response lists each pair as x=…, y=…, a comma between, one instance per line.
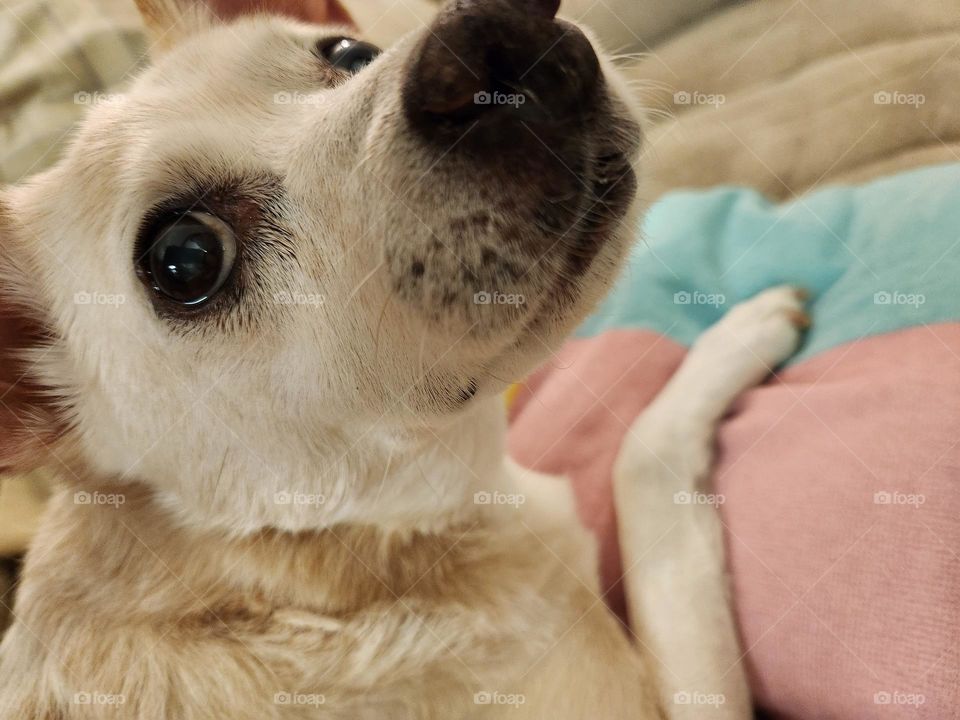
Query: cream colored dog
x=270, y=299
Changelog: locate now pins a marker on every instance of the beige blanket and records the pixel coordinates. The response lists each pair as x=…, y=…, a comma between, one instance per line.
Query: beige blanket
x=787, y=95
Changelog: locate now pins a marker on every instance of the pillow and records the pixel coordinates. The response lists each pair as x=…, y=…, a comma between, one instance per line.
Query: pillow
x=841, y=475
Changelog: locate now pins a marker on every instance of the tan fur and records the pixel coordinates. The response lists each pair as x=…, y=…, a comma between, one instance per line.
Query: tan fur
x=167, y=21
x=188, y=624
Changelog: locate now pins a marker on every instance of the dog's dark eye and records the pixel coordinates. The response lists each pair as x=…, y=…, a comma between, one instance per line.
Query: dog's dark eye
x=348, y=54
x=189, y=256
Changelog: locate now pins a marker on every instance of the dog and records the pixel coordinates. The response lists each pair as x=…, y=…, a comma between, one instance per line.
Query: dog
x=260, y=318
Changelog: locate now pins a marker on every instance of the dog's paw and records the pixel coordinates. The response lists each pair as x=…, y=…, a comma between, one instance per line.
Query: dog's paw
x=733, y=355
x=751, y=340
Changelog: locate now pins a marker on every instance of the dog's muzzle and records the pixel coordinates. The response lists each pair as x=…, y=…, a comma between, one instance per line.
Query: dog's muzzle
x=530, y=149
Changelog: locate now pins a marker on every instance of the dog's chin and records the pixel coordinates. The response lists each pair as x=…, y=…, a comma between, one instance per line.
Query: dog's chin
x=591, y=262
x=593, y=249
x=570, y=293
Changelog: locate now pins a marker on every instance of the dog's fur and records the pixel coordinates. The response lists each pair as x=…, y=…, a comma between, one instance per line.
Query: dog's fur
x=390, y=594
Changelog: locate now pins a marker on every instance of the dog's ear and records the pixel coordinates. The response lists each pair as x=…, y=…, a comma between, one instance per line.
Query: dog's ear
x=31, y=415
x=168, y=21
x=330, y=12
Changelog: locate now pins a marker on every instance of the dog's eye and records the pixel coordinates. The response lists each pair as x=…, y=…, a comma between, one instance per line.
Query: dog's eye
x=189, y=256
x=348, y=54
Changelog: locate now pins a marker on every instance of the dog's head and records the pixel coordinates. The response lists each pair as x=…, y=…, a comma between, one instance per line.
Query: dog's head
x=286, y=262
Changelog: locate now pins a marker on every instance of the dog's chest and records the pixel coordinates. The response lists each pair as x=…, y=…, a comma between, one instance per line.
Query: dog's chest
x=443, y=641
x=409, y=660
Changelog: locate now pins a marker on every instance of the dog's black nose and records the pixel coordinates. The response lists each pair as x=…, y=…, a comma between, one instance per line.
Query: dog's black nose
x=499, y=63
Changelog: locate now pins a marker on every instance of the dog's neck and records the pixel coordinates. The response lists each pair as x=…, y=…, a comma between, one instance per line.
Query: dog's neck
x=425, y=481
x=422, y=511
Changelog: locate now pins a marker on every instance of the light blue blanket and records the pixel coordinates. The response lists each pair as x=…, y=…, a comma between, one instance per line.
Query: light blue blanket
x=875, y=258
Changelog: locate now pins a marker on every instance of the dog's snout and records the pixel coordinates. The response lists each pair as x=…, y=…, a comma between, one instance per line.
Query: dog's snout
x=530, y=149
x=499, y=62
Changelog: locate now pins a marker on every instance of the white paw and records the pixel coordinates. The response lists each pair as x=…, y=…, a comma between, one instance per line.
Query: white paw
x=751, y=340
x=735, y=354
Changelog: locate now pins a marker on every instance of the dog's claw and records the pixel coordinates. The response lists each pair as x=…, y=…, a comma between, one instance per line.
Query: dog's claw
x=800, y=318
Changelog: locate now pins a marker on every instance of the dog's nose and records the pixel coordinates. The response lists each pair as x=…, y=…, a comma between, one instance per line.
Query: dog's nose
x=499, y=63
